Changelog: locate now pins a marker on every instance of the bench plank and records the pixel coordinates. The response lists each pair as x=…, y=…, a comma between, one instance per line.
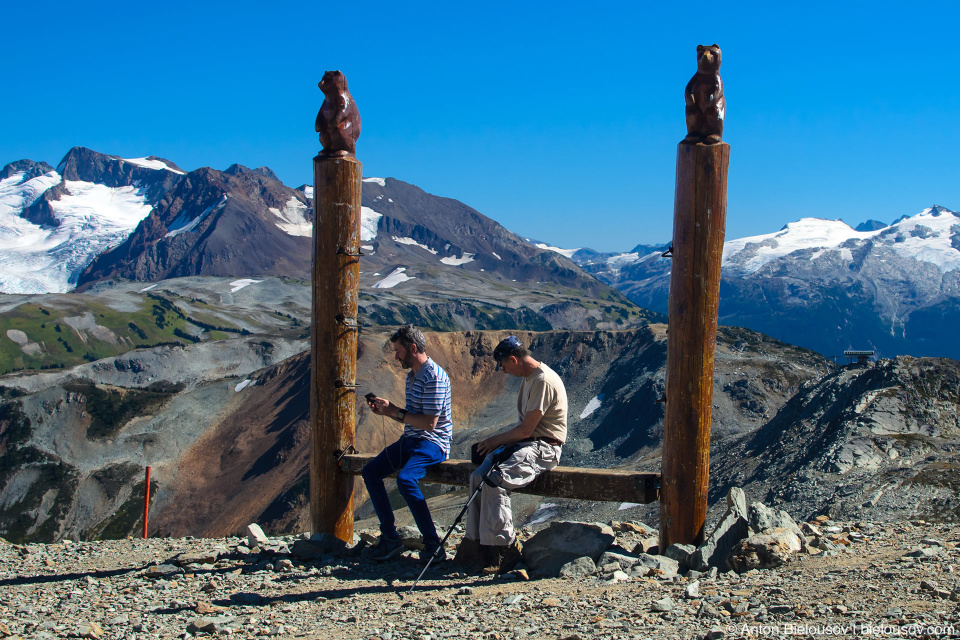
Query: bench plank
x=604, y=485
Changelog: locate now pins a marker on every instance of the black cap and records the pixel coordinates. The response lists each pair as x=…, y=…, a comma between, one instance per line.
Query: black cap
x=507, y=346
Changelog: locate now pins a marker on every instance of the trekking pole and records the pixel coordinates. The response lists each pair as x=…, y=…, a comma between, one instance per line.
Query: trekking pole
x=497, y=459
x=439, y=549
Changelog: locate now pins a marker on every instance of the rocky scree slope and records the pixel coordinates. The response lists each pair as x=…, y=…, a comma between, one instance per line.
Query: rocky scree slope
x=885, y=579
x=879, y=442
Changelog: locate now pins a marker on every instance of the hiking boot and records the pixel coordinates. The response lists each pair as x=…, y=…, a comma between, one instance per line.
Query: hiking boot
x=428, y=552
x=468, y=553
x=386, y=548
x=503, y=559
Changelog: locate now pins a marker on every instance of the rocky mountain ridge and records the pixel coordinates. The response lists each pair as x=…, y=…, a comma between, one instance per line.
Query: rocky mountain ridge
x=821, y=284
x=429, y=260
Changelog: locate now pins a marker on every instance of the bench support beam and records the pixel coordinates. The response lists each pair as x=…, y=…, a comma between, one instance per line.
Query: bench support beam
x=601, y=485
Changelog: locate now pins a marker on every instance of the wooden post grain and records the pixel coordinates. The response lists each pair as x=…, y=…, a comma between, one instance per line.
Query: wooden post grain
x=700, y=211
x=146, y=503
x=333, y=338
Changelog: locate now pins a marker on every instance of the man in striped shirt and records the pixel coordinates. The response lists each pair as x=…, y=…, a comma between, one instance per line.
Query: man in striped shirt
x=425, y=441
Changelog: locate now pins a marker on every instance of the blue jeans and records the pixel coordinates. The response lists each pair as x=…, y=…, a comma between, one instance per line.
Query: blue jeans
x=411, y=456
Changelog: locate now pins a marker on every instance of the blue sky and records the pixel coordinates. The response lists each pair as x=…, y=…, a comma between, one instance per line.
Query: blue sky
x=559, y=120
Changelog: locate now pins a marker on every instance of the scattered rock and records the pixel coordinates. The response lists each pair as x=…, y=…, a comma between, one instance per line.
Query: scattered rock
x=89, y=630
x=201, y=625
x=622, y=561
x=647, y=545
x=256, y=537
x=680, y=553
x=664, y=604
x=562, y=542
x=617, y=576
x=732, y=528
x=578, y=568
x=162, y=571
x=762, y=518
x=655, y=566
x=184, y=559
x=764, y=550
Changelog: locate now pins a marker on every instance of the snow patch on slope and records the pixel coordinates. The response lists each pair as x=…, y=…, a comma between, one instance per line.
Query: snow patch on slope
x=153, y=164
x=451, y=260
x=293, y=218
x=396, y=277
x=369, y=222
x=380, y=181
x=927, y=237
x=592, y=406
x=567, y=253
x=413, y=242
x=183, y=225
x=751, y=254
x=240, y=284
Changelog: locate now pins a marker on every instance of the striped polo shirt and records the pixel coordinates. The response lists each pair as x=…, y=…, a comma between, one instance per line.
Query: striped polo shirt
x=429, y=393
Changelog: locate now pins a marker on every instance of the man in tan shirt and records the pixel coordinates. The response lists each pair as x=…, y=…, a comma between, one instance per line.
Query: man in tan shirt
x=535, y=443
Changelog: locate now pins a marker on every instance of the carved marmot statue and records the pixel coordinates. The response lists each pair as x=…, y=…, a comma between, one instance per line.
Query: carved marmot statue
x=338, y=121
x=706, y=105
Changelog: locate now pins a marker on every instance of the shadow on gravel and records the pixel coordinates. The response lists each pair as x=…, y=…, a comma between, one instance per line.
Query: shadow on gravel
x=63, y=577
x=256, y=600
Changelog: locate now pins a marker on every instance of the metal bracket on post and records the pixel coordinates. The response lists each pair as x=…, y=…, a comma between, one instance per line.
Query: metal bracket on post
x=343, y=252
x=340, y=384
x=350, y=324
x=668, y=253
x=339, y=454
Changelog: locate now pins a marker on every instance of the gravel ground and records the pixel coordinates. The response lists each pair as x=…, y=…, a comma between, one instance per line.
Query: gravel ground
x=895, y=580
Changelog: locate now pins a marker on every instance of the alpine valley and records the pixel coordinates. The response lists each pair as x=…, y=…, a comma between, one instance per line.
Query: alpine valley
x=154, y=316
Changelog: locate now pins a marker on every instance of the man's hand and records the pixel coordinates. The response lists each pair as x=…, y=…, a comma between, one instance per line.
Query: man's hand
x=522, y=431
x=380, y=406
x=489, y=445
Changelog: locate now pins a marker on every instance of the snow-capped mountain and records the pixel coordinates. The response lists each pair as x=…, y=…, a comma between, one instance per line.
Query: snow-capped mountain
x=827, y=286
x=53, y=222
x=97, y=217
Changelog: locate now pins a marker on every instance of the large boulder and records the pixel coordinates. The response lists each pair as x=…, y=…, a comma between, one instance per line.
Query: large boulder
x=319, y=544
x=764, y=550
x=762, y=517
x=563, y=542
x=680, y=552
x=655, y=566
x=732, y=528
x=579, y=568
x=256, y=537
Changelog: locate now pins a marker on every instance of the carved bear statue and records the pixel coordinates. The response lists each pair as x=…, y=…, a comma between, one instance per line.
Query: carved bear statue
x=338, y=121
x=706, y=105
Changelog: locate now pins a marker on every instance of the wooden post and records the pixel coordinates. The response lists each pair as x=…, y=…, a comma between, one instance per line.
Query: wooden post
x=146, y=504
x=333, y=339
x=699, y=216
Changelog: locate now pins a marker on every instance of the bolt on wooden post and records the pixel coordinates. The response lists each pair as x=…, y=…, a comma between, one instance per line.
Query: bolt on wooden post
x=334, y=326
x=700, y=210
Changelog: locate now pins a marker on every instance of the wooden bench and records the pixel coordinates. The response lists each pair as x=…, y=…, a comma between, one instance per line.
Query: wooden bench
x=602, y=485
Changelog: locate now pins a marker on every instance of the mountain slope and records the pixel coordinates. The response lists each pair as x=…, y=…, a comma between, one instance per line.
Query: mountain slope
x=829, y=287
x=428, y=260
x=225, y=427
x=238, y=224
